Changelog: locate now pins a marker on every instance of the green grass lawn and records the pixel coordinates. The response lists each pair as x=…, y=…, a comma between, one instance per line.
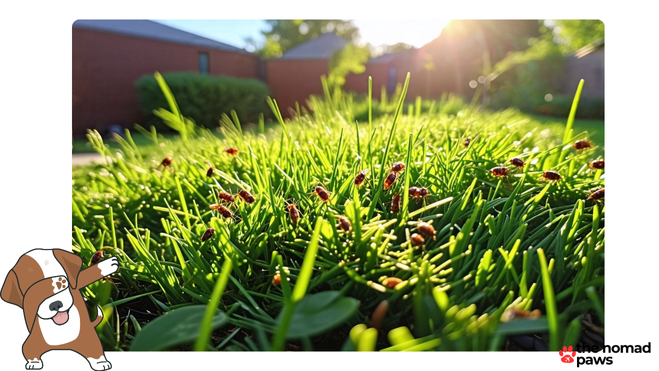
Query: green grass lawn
x=507, y=261
x=594, y=127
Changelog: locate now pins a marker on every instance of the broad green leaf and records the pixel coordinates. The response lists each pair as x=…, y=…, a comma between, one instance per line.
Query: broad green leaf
x=318, y=313
x=177, y=327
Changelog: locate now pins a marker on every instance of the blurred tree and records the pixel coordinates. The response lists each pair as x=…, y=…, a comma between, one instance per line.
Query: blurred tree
x=395, y=48
x=285, y=34
x=524, y=78
x=383, y=49
x=496, y=37
x=539, y=48
x=349, y=60
x=575, y=34
x=466, y=49
x=559, y=36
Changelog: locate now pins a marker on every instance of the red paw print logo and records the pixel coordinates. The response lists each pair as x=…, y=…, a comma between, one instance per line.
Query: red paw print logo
x=567, y=355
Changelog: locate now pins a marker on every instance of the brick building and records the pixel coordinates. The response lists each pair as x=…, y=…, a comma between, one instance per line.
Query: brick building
x=386, y=71
x=110, y=55
x=295, y=75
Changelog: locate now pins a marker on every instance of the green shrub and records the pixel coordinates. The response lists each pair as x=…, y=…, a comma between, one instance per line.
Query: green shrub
x=204, y=98
x=525, y=85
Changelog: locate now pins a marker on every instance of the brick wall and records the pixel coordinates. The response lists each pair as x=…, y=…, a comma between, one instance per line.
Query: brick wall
x=105, y=67
x=294, y=81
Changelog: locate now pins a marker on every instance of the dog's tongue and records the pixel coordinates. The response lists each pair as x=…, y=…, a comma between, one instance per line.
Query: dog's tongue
x=61, y=318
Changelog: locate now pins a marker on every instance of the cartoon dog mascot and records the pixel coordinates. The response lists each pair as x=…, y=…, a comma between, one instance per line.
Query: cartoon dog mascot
x=46, y=284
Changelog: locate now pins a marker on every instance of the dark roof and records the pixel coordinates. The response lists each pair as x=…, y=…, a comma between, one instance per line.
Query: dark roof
x=154, y=30
x=322, y=47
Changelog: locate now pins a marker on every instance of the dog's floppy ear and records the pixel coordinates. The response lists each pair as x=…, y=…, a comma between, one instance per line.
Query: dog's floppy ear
x=71, y=264
x=11, y=293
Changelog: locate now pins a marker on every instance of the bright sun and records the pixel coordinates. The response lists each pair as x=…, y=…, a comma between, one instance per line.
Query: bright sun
x=414, y=32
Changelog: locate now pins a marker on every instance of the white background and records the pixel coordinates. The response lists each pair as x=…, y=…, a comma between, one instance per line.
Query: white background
x=35, y=170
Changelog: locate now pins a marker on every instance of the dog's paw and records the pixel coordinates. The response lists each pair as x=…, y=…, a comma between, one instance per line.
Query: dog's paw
x=34, y=364
x=99, y=364
x=59, y=283
x=109, y=266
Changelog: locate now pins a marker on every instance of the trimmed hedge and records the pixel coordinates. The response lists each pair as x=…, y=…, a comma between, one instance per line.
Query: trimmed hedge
x=204, y=98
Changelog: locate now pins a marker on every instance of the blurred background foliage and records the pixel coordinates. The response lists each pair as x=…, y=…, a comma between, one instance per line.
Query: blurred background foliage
x=497, y=63
x=538, y=70
x=575, y=34
x=286, y=34
x=350, y=59
x=516, y=63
